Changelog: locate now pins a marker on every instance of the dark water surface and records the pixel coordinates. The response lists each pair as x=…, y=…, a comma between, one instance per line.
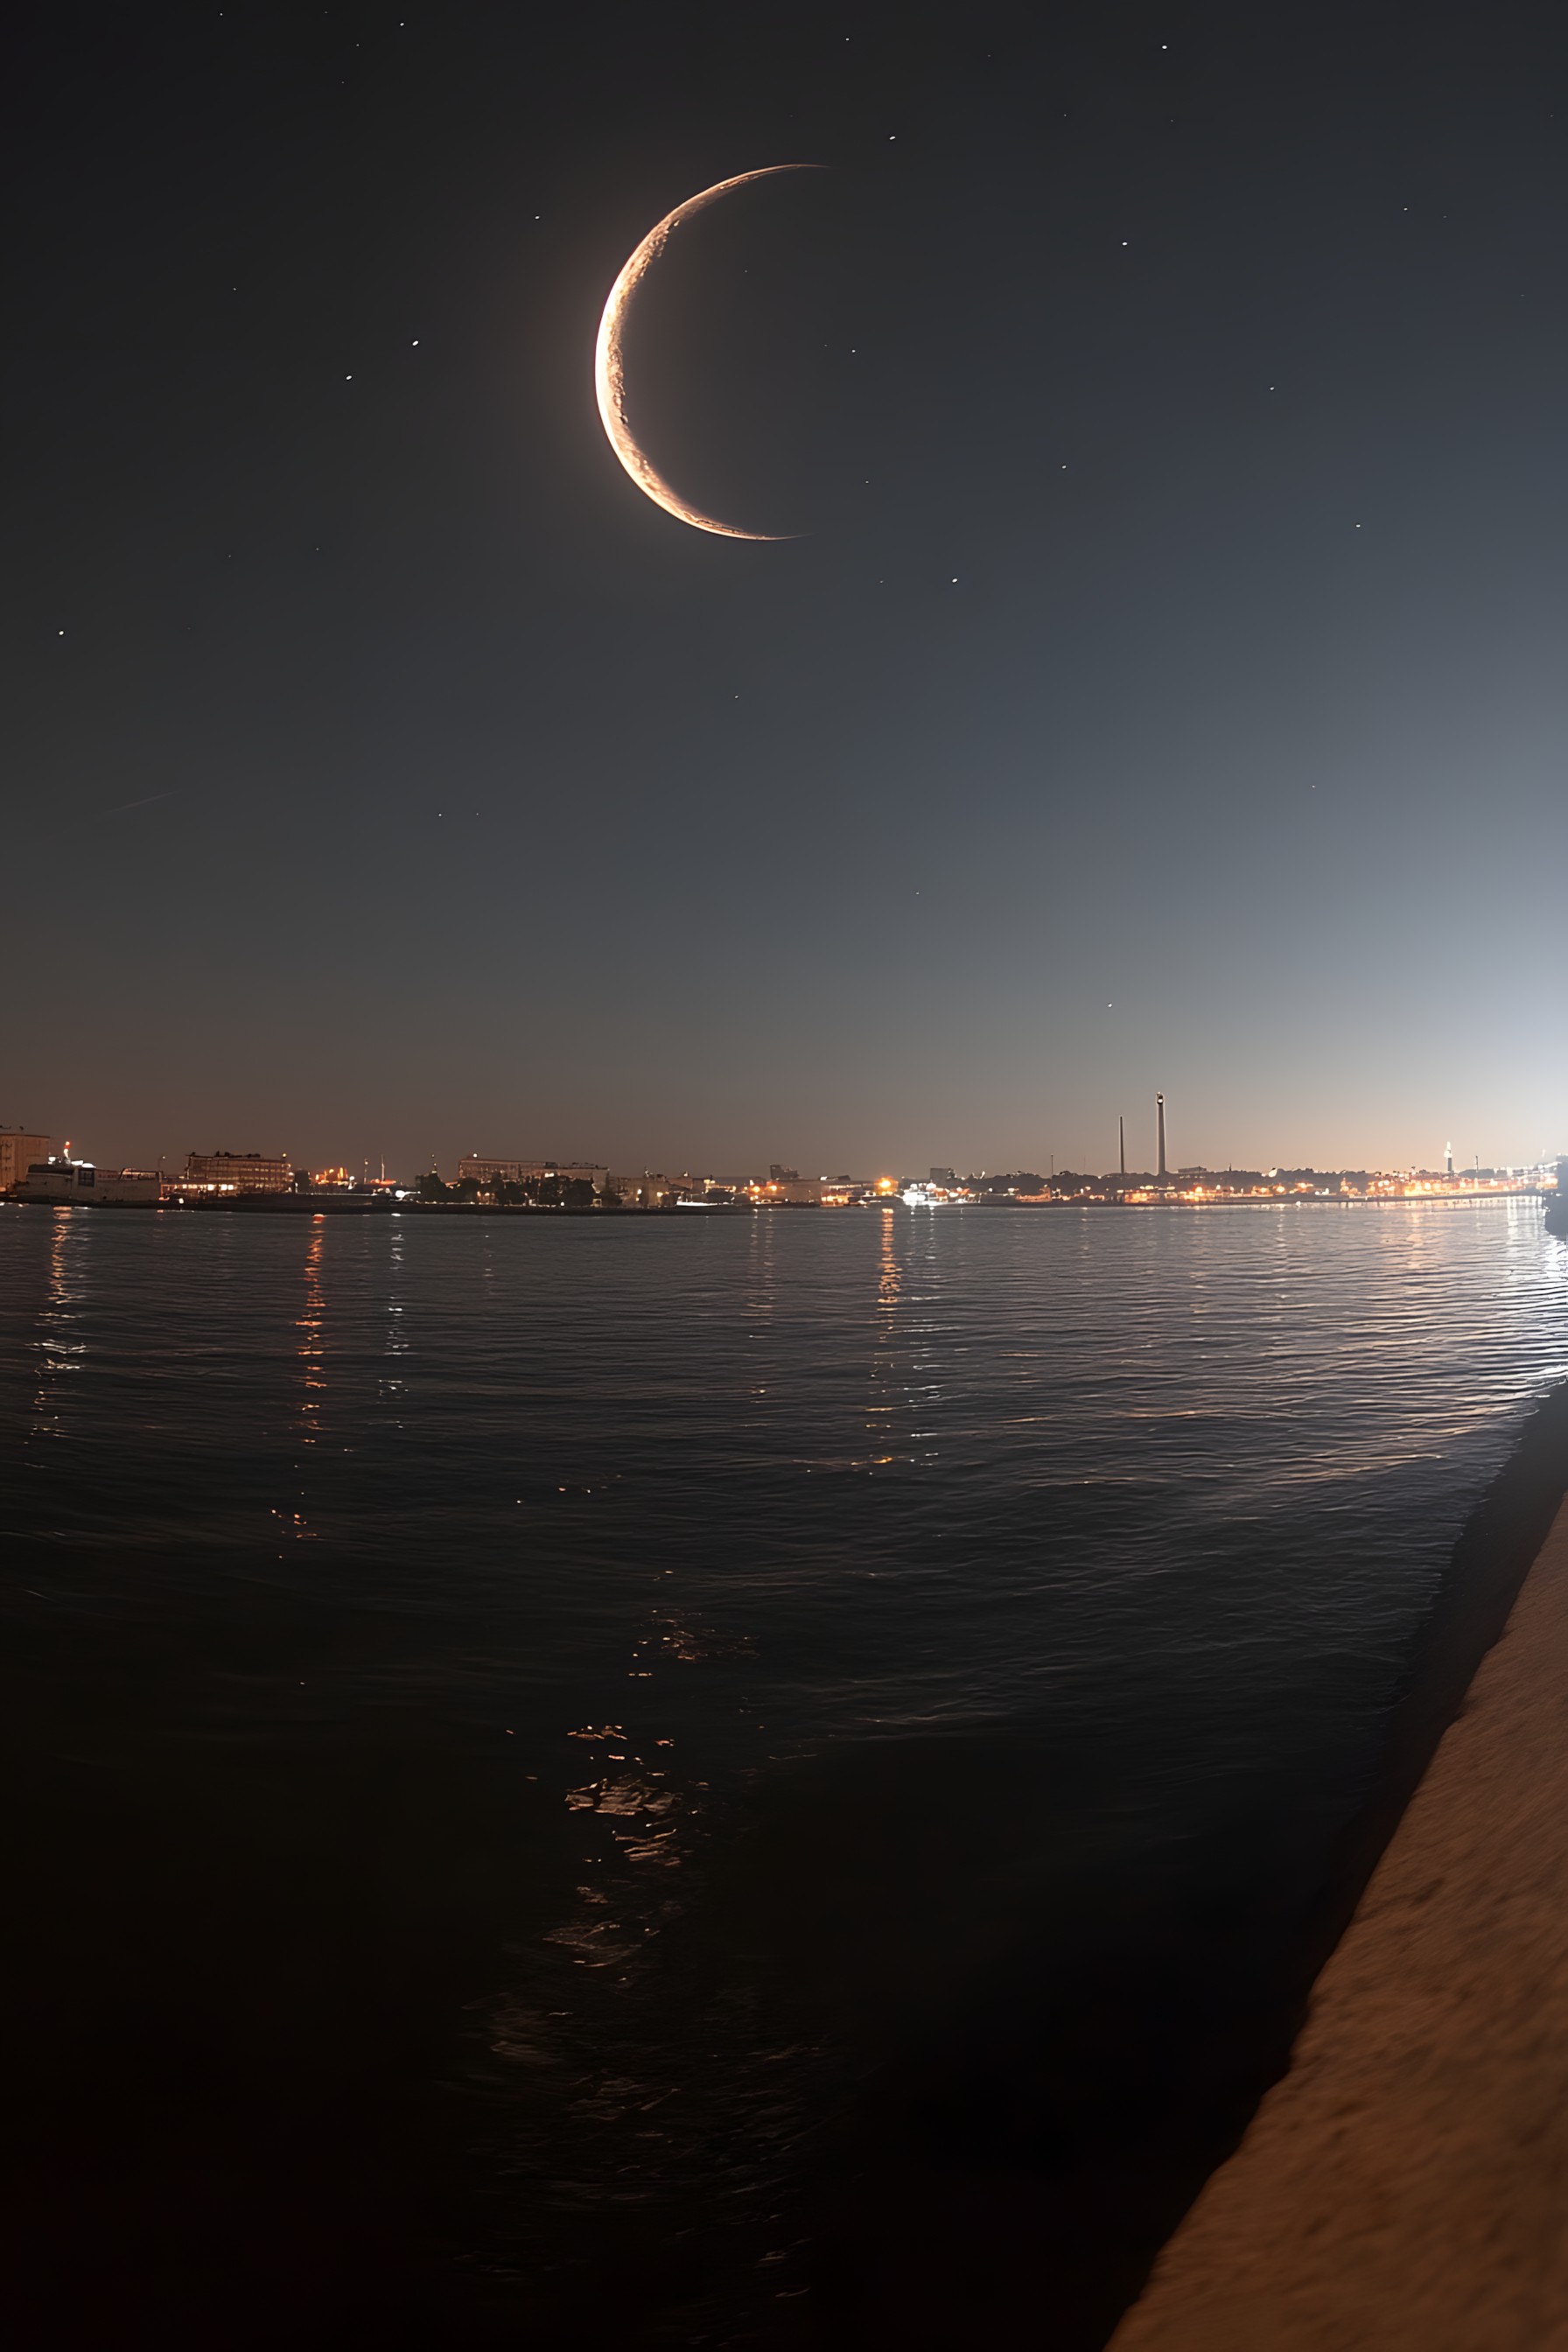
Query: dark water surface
x=694, y=1782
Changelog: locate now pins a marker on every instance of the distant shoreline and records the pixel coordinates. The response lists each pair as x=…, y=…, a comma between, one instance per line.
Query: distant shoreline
x=326, y=1204
x=319, y=1205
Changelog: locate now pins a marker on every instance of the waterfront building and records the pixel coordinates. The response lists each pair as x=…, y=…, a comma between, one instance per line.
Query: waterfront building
x=236, y=1172
x=79, y=1180
x=475, y=1168
x=18, y=1151
x=650, y=1190
x=344, y=1180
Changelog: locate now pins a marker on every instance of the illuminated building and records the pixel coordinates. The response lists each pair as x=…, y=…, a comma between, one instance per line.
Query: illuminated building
x=473, y=1169
x=651, y=1190
x=236, y=1172
x=644, y=1190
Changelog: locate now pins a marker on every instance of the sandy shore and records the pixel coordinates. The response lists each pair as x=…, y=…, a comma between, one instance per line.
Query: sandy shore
x=1406, y=2183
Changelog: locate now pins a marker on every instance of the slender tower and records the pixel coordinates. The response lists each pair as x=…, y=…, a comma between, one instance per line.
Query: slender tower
x=1121, y=1136
x=1160, y=1108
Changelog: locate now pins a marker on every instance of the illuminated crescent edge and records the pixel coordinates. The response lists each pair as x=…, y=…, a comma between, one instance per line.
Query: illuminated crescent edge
x=610, y=367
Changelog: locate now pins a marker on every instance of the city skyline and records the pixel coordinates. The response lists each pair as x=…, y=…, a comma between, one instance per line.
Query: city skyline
x=276, y=1168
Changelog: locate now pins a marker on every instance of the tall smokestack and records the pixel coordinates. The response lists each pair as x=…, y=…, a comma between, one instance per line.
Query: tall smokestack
x=1121, y=1136
x=1160, y=1107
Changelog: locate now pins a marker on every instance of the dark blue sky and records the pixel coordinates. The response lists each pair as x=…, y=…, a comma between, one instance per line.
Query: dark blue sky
x=1169, y=689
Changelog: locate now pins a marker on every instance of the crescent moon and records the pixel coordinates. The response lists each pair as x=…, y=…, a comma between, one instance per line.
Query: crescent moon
x=609, y=364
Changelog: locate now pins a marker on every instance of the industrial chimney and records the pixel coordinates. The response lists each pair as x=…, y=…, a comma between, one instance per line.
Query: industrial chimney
x=1160, y=1107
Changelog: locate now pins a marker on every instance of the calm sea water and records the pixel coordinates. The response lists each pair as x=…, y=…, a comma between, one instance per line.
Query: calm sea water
x=682, y=1781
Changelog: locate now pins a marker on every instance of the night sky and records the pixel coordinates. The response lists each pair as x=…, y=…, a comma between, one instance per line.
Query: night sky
x=1167, y=687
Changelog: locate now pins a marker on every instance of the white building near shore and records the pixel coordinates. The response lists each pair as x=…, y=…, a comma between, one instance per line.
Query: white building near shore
x=81, y=1182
